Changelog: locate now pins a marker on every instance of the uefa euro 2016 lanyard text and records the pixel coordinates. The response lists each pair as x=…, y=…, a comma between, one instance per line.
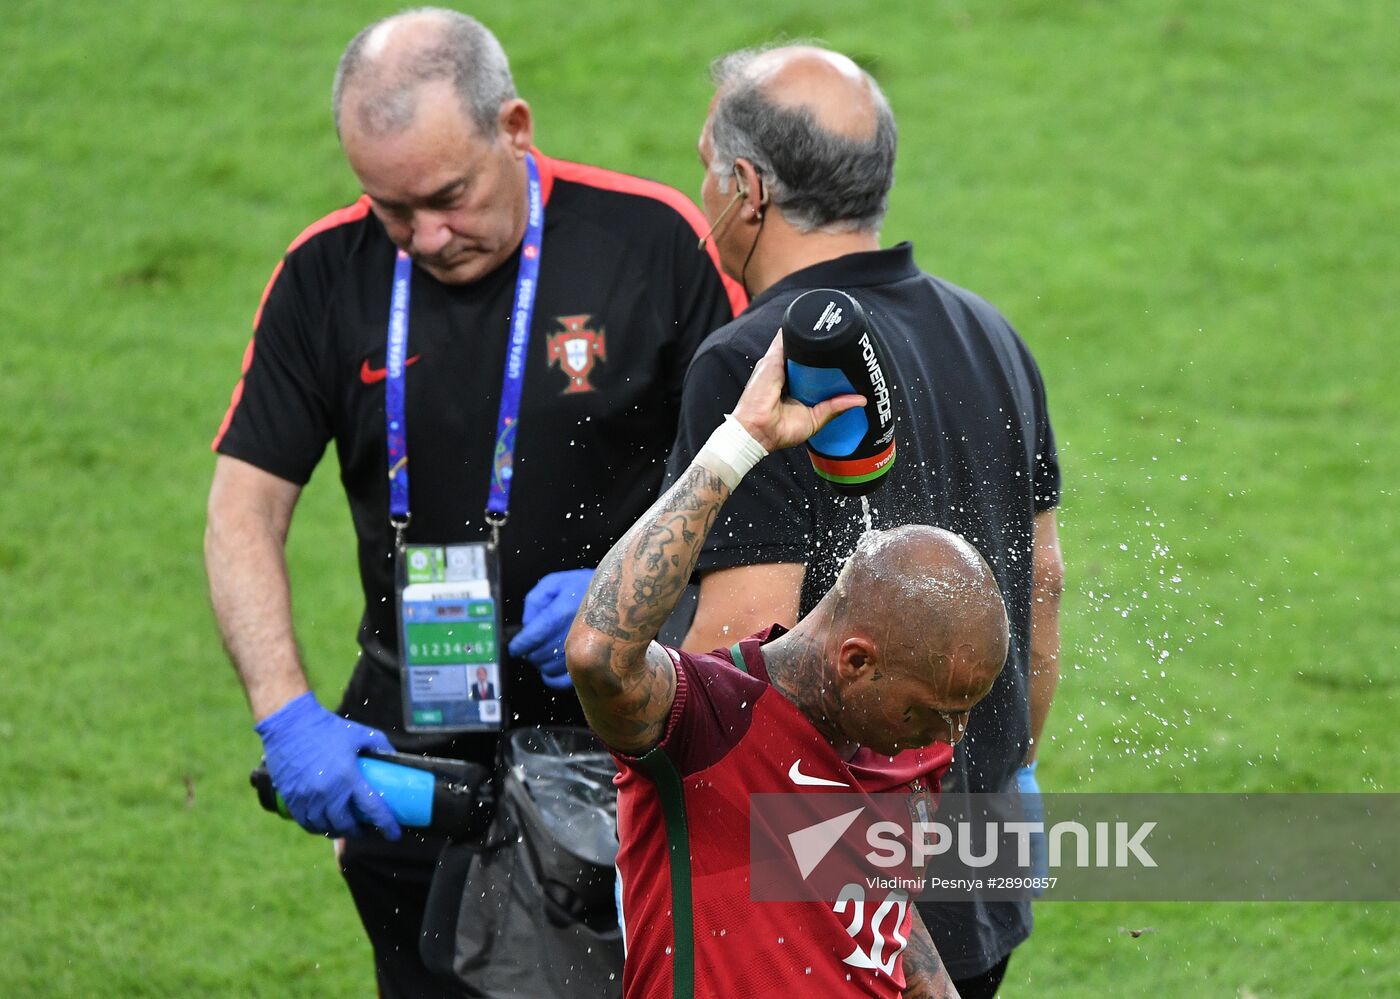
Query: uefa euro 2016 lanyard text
x=448, y=595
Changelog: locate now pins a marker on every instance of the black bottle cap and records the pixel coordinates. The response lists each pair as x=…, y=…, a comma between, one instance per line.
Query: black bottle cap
x=820, y=321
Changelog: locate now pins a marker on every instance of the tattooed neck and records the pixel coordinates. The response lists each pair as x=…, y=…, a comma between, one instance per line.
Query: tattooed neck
x=798, y=668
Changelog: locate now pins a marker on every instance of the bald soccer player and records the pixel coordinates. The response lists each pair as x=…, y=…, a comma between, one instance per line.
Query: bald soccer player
x=798, y=150
x=509, y=332
x=868, y=691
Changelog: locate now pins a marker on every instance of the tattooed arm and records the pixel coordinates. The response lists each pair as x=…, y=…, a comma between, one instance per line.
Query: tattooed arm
x=625, y=681
x=924, y=974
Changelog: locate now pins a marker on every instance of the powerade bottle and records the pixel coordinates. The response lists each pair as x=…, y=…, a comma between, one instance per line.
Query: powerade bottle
x=832, y=348
x=455, y=798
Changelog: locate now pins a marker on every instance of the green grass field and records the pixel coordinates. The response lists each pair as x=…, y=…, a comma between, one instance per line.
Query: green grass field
x=1188, y=209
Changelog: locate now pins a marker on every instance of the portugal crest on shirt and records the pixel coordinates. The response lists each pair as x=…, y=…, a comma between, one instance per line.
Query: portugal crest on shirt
x=575, y=351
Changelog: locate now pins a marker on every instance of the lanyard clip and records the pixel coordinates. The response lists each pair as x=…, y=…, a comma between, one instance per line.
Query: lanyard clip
x=400, y=525
x=497, y=521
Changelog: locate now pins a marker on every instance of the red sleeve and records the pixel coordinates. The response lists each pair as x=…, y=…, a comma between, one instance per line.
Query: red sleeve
x=712, y=711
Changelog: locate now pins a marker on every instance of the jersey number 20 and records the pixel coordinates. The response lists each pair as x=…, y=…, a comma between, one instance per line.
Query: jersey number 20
x=896, y=903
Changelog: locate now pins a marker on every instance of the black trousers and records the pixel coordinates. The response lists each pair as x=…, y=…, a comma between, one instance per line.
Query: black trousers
x=389, y=882
x=985, y=985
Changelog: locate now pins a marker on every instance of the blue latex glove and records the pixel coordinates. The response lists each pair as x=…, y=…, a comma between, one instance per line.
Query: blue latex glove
x=1034, y=810
x=313, y=759
x=549, y=611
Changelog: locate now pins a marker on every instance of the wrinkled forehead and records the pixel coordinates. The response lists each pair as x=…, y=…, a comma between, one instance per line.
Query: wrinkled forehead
x=956, y=678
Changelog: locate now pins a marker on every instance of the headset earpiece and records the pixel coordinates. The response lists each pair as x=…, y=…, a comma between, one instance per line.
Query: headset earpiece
x=739, y=182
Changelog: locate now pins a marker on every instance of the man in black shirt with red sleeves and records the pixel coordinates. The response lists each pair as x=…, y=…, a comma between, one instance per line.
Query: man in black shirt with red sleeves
x=799, y=160
x=519, y=327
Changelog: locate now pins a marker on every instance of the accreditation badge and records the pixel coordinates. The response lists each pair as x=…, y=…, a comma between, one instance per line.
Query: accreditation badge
x=449, y=611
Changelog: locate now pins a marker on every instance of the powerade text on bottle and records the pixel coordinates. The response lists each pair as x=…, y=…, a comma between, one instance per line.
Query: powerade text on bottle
x=831, y=348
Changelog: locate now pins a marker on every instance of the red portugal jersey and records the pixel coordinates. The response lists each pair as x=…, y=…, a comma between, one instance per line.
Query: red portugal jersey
x=683, y=821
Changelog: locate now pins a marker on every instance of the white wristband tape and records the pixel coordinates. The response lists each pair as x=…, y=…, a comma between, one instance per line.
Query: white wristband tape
x=730, y=452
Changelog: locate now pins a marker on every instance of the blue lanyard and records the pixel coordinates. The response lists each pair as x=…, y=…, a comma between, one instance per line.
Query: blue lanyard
x=508, y=420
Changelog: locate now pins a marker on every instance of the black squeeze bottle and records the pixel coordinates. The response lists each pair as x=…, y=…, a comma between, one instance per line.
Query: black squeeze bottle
x=455, y=798
x=832, y=348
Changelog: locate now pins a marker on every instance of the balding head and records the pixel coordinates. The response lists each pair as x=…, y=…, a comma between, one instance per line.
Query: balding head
x=816, y=127
x=914, y=633
x=429, y=121
x=380, y=78
x=840, y=97
x=922, y=590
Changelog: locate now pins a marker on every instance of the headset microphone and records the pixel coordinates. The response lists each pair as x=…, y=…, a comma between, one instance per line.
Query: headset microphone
x=739, y=196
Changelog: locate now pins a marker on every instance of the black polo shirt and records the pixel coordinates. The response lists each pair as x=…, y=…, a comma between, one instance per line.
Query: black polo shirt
x=975, y=455
x=620, y=277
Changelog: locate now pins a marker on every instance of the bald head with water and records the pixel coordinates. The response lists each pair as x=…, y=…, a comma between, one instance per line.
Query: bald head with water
x=911, y=636
x=925, y=592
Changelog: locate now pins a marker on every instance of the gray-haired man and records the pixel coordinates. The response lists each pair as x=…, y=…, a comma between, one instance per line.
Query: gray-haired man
x=799, y=150
x=529, y=321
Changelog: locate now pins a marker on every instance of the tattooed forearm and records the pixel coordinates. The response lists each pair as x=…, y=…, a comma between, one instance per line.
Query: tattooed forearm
x=603, y=593
x=640, y=580
x=925, y=977
x=626, y=693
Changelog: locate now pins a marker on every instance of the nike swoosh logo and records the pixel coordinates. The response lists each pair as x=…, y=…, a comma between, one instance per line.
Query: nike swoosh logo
x=798, y=777
x=370, y=375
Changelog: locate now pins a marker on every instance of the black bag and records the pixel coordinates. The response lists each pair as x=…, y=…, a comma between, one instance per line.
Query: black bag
x=529, y=911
